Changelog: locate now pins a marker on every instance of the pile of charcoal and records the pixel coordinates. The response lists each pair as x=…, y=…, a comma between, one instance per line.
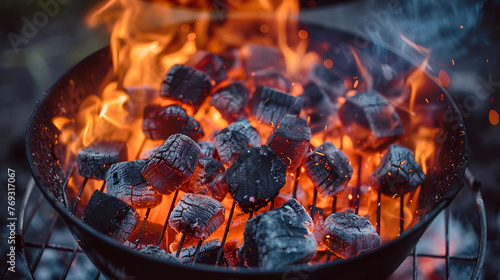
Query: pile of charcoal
x=247, y=163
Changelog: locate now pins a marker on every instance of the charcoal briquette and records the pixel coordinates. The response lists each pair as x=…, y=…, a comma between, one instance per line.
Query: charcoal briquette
x=125, y=181
x=110, y=216
x=189, y=85
x=294, y=206
x=348, y=234
x=159, y=253
x=230, y=141
x=208, y=179
x=327, y=80
x=270, y=105
x=290, y=140
x=255, y=178
x=398, y=172
x=207, y=255
x=209, y=63
x=197, y=215
x=172, y=164
x=328, y=168
x=162, y=122
x=277, y=238
x=231, y=101
x=370, y=120
x=94, y=160
x=319, y=108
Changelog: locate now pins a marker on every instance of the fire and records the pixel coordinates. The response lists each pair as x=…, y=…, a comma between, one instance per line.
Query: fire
x=147, y=39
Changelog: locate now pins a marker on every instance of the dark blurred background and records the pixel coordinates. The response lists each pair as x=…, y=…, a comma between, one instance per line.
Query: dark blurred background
x=42, y=39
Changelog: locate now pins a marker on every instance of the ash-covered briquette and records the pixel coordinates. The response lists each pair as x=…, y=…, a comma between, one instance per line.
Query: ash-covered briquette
x=172, y=164
x=209, y=63
x=255, y=178
x=370, y=120
x=318, y=107
x=207, y=148
x=197, y=215
x=231, y=101
x=160, y=122
x=208, y=179
x=190, y=86
x=347, y=234
x=270, y=105
x=110, y=216
x=327, y=80
x=94, y=160
x=271, y=78
x=259, y=57
x=277, y=238
x=207, y=255
x=293, y=205
x=125, y=181
x=328, y=168
x=159, y=253
x=398, y=172
x=237, y=136
x=290, y=140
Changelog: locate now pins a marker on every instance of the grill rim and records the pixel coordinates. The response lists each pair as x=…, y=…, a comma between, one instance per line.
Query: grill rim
x=455, y=184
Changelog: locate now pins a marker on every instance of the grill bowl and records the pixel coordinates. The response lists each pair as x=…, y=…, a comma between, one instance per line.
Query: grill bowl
x=117, y=261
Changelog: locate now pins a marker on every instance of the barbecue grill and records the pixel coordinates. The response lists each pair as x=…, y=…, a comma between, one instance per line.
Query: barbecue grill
x=52, y=173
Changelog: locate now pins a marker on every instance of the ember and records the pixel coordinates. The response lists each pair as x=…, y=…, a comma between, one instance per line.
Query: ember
x=278, y=237
x=186, y=84
x=125, y=181
x=110, y=216
x=162, y=122
x=270, y=105
x=94, y=161
x=172, y=164
x=347, y=234
x=255, y=178
x=197, y=215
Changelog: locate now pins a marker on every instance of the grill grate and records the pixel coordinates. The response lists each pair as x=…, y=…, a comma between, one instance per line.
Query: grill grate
x=34, y=200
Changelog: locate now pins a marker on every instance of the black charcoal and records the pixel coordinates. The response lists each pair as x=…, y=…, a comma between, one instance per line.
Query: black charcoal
x=230, y=141
x=328, y=168
x=255, y=178
x=207, y=255
x=327, y=80
x=270, y=105
x=94, y=160
x=110, y=216
x=347, y=234
x=370, y=120
x=209, y=63
x=158, y=253
x=162, y=122
x=172, y=164
x=277, y=238
x=398, y=172
x=320, y=110
x=231, y=101
x=197, y=215
x=208, y=179
x=190, y=86
x=290, y=140
x=125, y=181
